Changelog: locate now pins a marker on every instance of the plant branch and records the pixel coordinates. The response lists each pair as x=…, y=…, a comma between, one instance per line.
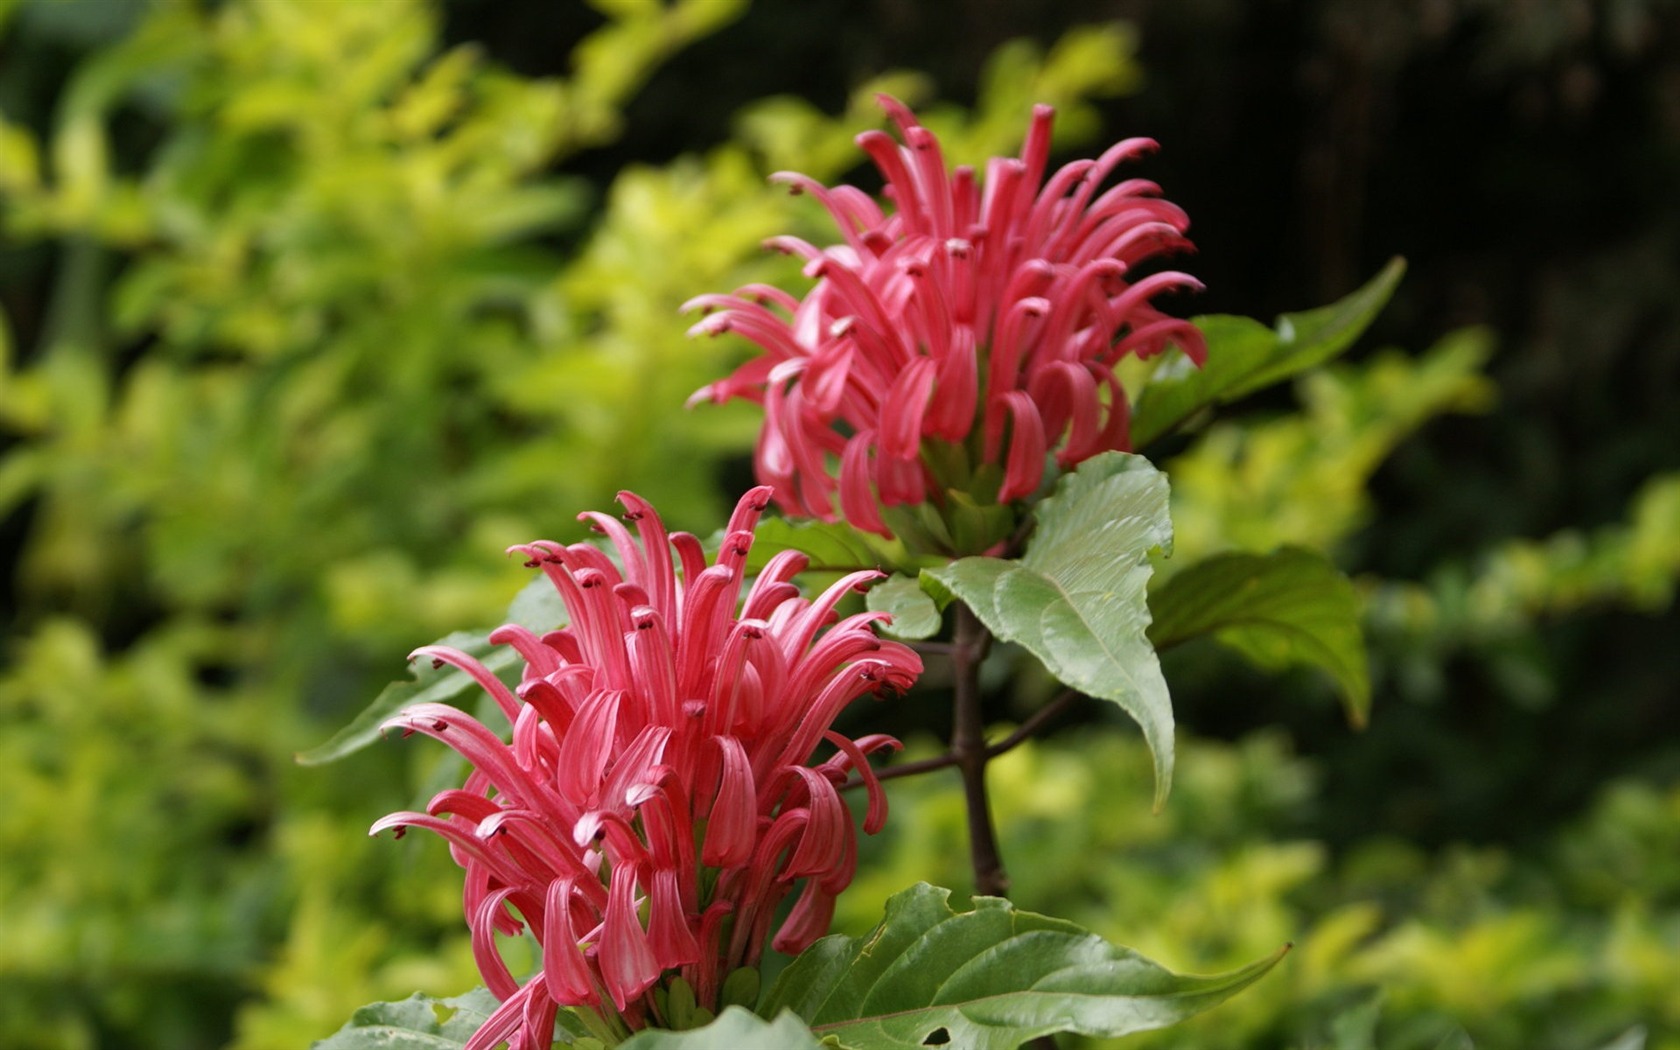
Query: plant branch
x=1034, y=722
x=970, y=752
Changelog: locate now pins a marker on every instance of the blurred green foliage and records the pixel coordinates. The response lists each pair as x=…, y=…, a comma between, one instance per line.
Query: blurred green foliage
x=340, y=331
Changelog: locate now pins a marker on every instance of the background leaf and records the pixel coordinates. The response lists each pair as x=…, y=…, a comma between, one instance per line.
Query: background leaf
x=537, y=606
x=1288, y=607
x=913, y=611
x=993, y=977
x=736, y=1028
x=832, y=546
x=414, y=1023
x=1077, y=599
x=441, y=685
x=1245, y=356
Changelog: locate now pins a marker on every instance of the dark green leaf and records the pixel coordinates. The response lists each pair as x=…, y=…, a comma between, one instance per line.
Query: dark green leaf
x=913, y=612
x=990, y=979
x=736, y=1028
x=537, y=606
x=1245, y=356
x=426, y=685
x=419, y=1022
x=1077, y=599
x=1280, y=609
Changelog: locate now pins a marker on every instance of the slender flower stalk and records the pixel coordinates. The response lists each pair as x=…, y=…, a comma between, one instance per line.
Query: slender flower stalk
x=658, y=799
x=954, y=344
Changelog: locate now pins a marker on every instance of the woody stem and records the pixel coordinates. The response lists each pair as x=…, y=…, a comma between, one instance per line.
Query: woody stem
x=968, y=748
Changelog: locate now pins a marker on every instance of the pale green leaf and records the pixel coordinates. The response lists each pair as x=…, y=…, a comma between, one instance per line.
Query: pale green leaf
x=1077, y=600
x=1280, y=609
x=1245, y=356
x=988, y=979
x=913, y=613
x=736, y=1028
x=419, y=1022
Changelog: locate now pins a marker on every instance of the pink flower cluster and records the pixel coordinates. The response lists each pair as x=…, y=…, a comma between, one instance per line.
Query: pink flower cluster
x=987, y=317
x=657, y=801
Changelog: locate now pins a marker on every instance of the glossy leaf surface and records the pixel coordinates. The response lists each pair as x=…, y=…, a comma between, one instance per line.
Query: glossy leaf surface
x=1077, y=599
x=1280, y=609
x=988, y=979
x=1244, y=355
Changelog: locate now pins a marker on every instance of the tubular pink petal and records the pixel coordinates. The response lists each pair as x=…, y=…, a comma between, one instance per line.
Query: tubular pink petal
x=539, y=658
x=845, y=219
x=707, y=979
x=628, y=967
x=691, y=556
x=498, y=690
x=1152, y=285
x=669, y=936
x=565, y=969
x=956, y=390
x=1074, y=391
x=489, y=960
x=767, y=590
x=588, y=747
x=826, y=827
x=1116, y=432
x=803, y=631
x=1024, y=467
x=732, y=826
x=885, y=152
x=543, y=839
x=629, y=552
x=537, y=1019
x=858, y=500
x=653, y=664
x=478, y=746
x=810, y=918
x=907, y=404
x=875, y=818
x=633, y=766
x=548, y=701
x=502, y=1025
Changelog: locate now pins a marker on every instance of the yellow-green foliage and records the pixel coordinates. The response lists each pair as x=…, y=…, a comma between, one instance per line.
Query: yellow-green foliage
x=309, y=365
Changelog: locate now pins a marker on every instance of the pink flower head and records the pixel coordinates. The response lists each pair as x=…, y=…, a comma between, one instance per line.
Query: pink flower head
x=984, y=318
x=657, y=800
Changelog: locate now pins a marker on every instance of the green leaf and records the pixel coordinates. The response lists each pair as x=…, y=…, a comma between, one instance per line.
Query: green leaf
x=427, y=684
x=989, y=979
x=1280, y=609
x=1077, y=600
x=1245, y=356
x=419, y=1022
x=422, y=1022
x=833, y=546
x=735, y=1028
x=537, y=606
x=913, y=612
